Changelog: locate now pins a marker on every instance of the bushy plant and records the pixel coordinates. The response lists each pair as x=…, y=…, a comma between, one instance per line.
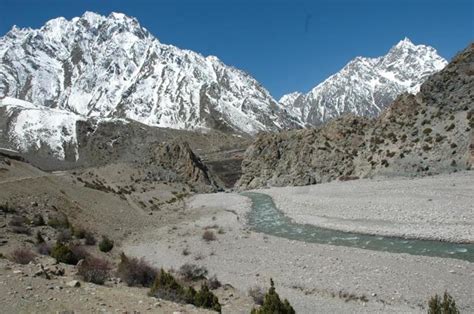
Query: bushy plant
x=44, y=248
x=22, y=256
x=106, y=245
x=192, y=272
x=79, y=252
x=38, y=220
x=206, y=299
x=93, y=269
x=136, y=272
x=79, y=232
x=63, y=254
x=168, y=288
x=214, y=283
x=17, y=221
x=64, y=235
x=89, y=238
x=209, y=235
x=58, y=221
x=272, y=303
x=445, y=306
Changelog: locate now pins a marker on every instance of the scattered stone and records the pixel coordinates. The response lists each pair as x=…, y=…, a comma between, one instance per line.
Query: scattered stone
x=73, y=284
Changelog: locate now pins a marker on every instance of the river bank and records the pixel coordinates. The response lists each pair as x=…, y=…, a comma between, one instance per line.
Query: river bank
x=437, y=208
x=312, y=276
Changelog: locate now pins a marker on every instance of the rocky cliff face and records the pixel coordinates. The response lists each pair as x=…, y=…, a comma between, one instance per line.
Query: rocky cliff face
x=425, y=134
x=365, y=86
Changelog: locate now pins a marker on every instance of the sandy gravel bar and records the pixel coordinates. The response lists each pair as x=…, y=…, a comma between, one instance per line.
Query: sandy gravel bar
x=439, y=207
x=314, y=277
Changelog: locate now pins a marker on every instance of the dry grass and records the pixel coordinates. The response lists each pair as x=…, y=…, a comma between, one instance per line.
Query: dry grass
x=22, y=256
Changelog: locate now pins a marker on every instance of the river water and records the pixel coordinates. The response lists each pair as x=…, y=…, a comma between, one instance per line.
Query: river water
x=265, y=217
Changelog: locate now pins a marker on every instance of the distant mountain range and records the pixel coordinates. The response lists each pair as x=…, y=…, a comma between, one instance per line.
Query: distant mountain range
x=101, y=68
x=365, y=86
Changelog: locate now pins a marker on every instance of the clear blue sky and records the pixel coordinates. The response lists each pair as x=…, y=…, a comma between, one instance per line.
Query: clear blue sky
x=287, y=45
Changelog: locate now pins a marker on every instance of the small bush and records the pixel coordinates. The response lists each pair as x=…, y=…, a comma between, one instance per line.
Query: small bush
x=6, y=209
x=106, y=245
x=209, y=235
x=79, y=232
x=445, y=306
x=214, y=283
x=93, y=269
x=257, y=294
x=44, y=248
x=39, y=238
x=89, y=238
x=22, y=256
x=206, y=299
x=136, y=272
x=273, y=304
x=38, y=220
x=64, y=235
x=21, y=230
x=450, y=127
x=79, y=252
x=17, y=221
x=427, y=131
x=192, y=272
x=168, y=288
x=63, y=254
x=58, y=221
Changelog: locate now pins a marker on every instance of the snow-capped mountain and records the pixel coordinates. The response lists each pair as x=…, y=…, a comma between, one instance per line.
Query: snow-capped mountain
x=111, y=67
x=365, y=86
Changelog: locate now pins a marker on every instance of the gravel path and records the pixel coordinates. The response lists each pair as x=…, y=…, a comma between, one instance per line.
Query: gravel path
x=439, y=207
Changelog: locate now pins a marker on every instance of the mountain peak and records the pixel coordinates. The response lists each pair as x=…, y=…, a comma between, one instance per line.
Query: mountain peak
x=405, y=42
x=365, y=86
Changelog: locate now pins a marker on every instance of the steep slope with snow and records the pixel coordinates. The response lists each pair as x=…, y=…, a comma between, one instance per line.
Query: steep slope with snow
x=111, y=67
x=31, y=127
x=365, y=86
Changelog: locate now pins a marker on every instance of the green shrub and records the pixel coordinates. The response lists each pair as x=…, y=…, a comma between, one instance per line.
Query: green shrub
x=79, y=232
x=58, y=221
x=427, y=131
x=89, y=238
x=192, y=272
x=38, y=220
x=63, y=254
x=168, y=288
x=39, y=238
x=272, y=303
x=206, y=299
x=6, y=209
x=445, y=306
x=450, y=127
x=106, y=245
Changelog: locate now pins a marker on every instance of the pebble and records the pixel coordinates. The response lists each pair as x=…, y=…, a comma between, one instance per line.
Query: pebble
x=29, y=288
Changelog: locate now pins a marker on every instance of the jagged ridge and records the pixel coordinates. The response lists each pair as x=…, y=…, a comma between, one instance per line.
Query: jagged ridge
x=365, y=86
